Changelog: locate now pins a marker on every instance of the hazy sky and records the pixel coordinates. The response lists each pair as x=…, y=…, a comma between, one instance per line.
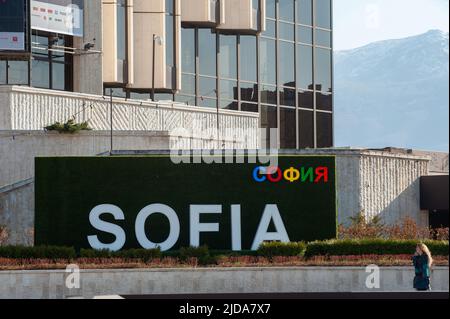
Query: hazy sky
x=359, y=22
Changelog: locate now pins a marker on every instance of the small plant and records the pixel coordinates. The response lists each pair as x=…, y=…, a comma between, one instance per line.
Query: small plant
x=187, y=254
x=4, y=235
x=70, y=127
x=273, y=249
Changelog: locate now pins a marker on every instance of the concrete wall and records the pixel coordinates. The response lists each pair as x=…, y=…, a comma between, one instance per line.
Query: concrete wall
x=51, y=284
x=23, y=108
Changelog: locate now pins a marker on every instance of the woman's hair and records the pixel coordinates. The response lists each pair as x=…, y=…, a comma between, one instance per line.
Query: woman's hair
x=427, y=252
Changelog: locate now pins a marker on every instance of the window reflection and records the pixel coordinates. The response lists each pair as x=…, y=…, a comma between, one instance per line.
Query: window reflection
x=269, y=120
x=305, y=35
x=188, y=50
x=270, y=8
x=268, y=94
x=286, y=8
x=324, y=101
x=323, y=38
x=207, y=87
x=287, y=31
x=323, y=70
x=249, y=92
x=304, y=11
x=306, y=129
x=2, y=72
x=228, y=56
x=306, y=99
x=268, y=64
x=324, y=130
x=323, y=13
x=248, y=61
x=288, y=135
x=287, y=97
x=305, y=66
x=207, y=45
x=228, y=90
x=18, y=72
x=287, y=70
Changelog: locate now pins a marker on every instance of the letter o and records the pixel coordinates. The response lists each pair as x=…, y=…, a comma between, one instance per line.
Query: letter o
x=174, y=222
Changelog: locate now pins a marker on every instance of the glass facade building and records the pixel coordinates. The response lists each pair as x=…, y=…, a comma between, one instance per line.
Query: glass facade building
x=280, y=67
x=284, y=73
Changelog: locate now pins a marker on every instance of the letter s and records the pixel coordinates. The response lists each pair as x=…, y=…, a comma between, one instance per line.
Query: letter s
x=97, y=223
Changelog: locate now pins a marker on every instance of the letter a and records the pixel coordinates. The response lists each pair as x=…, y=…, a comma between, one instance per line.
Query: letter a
x=271, y=212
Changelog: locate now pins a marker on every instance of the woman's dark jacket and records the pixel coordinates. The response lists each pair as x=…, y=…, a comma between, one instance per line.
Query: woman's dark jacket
x=422, y=278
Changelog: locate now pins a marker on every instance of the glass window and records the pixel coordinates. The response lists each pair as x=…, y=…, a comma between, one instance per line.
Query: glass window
x=248, y=107
x=324, y=101
x=116, y=92
x=287, y=97
x=287, y=11
x=18, y=72
x=249, y=92
x=323, y=13
x=207, y=87
x=305, y=35
x=228, y=90
x=58, y=76
x=270, y=29
x=188, y=84
x=188, y=50
x=189, y=100
x=268, y=61
x=324, y=130
x=323, y=38
x=288, y=129
x=287, y=31
x=204, y=102
x=121, y=29
x=229, y=105
x=269, y=120
x=139, y=96
x=2, y=72
x=248, y=58
x=286, y=63
x=207, y=52
x=169, y=41
x=270, y=8
x=268, y=94
x=323, y=70
x=169, y=7
x=306, y=99
x=305, y=67
x=304, y=12
x=306, y=129
x=228, y=56
x=163, y=97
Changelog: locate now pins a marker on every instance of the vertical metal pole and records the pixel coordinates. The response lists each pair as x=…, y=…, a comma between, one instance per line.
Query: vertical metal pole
x=153, y=67
x=111, y=118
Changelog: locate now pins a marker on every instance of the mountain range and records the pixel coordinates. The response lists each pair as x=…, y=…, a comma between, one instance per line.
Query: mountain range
x=394, y=93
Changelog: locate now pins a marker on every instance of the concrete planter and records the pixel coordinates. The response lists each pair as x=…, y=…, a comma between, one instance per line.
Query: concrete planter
x=51, y=284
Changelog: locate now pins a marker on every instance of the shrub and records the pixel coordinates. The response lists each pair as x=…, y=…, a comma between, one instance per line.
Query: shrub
x=4, y=235
x=372, y=247
x=69, y=127
x=142, y=254
x=272, y=249
x=201, y=253
x=406, y=229
x=39, y=252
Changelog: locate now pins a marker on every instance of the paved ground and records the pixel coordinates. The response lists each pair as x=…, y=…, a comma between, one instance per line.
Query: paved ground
x=372, y=295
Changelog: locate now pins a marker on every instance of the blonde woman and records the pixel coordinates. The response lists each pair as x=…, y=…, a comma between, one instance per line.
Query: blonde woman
x=422, y=261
